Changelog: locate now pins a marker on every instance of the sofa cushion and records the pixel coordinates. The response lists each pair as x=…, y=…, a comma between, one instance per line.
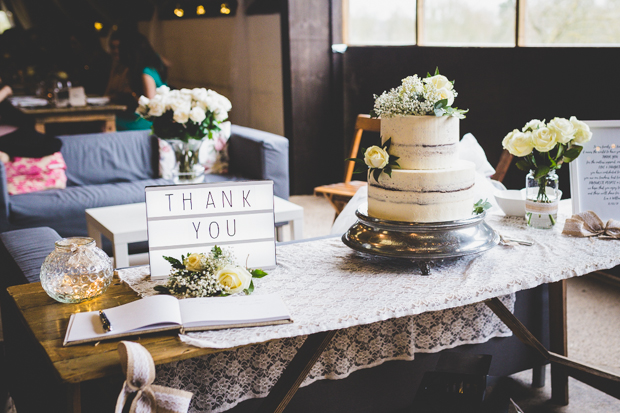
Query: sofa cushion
x=102, y=158
x=63, y=209
x=24, y=251
x=24, y=175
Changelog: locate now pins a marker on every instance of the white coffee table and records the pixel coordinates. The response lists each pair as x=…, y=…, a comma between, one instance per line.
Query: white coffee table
x=124, y=224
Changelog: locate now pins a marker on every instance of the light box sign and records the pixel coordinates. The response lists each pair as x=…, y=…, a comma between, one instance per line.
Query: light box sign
x=237, y=216
x=595, y=174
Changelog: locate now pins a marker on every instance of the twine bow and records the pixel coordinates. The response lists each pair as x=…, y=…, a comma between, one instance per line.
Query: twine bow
x=588, y=224
x=139, y=368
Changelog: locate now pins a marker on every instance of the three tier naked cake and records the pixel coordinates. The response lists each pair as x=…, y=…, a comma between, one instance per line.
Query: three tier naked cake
x=420, y=195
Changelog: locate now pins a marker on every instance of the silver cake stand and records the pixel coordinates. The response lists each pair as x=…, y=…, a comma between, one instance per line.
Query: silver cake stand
x=420, y=242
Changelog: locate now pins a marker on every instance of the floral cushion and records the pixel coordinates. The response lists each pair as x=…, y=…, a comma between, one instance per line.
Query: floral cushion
x=213, y=154
x=25, y=175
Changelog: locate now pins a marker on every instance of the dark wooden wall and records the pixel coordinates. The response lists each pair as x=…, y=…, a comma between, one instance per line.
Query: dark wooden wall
x=502, y=87
x=312, y=107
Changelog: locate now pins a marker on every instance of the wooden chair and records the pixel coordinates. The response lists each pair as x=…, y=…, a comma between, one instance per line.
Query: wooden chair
x=505, y=160
x=340, y=193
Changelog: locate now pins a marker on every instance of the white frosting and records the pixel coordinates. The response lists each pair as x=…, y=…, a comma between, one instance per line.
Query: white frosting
x=422, y=142
x=423, y=196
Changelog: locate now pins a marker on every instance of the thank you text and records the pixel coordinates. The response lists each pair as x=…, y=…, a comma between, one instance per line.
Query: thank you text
x=237, y=216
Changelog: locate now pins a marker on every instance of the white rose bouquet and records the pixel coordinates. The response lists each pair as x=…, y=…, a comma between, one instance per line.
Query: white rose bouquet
x=184, y=114
x=208, y=275
x=433, y=95
x=544, y=147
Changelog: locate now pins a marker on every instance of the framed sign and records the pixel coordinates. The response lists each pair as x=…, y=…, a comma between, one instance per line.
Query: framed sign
x=237, y=216
x=595, y=174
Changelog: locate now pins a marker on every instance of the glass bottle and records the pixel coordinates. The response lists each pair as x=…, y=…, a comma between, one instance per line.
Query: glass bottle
x=542, y=198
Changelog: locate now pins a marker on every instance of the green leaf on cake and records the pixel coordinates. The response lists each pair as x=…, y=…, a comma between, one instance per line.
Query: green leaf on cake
x=376, y=173
x=258, y=273
x=481, y=206
x=175, y=263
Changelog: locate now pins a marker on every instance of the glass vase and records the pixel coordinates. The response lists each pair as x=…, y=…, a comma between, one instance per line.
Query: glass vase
x=188, y=169
x=542, y=198
x=76, y=270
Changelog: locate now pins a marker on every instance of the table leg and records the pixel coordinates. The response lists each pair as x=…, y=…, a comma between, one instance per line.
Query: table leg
x=93, y=232
x=296, y=372
x=280, y=233
x=121, y=255
x=110, y=124
x=297, y=228
x=558, y=341
x=74, y=402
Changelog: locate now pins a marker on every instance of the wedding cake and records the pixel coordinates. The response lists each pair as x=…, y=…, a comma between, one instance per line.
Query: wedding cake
x=416, y=174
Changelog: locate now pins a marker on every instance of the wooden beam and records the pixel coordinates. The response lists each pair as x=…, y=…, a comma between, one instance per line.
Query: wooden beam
x=558, y=342
x=296, y=372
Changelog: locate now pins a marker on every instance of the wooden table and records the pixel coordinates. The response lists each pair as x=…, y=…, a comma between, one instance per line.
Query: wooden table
x=103, y=113
x=37, y=324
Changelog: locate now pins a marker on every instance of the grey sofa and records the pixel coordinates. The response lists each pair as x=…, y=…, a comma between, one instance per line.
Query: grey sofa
x=113, y=168
x=389, y=387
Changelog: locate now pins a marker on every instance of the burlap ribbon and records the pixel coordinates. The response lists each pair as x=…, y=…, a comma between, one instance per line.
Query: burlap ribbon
x=139, y=368
x=588, y=224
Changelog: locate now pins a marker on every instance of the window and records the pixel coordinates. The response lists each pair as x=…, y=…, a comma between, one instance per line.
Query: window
x=468, y=23
x=572, y=22
x=482, y=22
x=386, y=22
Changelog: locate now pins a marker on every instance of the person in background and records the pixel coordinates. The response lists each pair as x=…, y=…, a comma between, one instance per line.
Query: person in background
x=136, y=70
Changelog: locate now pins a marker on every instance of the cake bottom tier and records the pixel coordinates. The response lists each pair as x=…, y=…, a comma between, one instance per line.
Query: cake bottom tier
x=423, y=196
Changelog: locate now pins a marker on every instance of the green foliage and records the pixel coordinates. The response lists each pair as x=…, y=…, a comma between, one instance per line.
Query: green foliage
x=216, y=251
x=250, y=289
x=258, y=273
x=176, y=264
x=481, y=206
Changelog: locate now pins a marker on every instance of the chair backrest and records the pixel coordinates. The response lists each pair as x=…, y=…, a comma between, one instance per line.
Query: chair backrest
x=363, y=123
x=505, y=160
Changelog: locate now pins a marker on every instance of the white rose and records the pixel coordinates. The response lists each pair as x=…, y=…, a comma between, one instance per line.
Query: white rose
x=143, y=101
x=376, y=157
x=440, y=82
x=157, y=107
x=193, y=262
x=582, y=131
x=162, y=90
x=197, y=115
x=199, y=93
x=446, y=94
x=564, y=128
x=235, y=278
x=533, y=125
x=181, y=115
x=220, y=116
x=518, y=143
x=544, y=139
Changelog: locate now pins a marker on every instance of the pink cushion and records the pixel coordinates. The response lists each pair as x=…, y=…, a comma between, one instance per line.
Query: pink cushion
x=24, y=175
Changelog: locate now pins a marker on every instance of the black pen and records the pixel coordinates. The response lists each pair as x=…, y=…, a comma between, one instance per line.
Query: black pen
x=105, y=322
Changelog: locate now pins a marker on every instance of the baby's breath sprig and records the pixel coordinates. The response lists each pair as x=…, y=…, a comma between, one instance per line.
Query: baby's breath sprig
x=208, y=275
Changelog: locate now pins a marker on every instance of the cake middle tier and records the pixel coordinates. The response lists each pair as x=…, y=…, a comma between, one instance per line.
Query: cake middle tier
x=423, y=196
x=422, y=142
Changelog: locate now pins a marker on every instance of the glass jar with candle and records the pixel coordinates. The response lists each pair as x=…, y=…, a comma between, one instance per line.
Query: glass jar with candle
x=76, y=270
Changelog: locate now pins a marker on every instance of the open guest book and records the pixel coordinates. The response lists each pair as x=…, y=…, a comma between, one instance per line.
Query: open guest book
x=165, y=312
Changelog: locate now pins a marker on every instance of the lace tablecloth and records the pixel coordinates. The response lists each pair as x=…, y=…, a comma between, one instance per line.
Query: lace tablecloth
x=384, y=309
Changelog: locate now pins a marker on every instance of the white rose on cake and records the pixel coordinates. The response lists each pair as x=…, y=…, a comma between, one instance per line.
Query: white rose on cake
x=440, y=82
x=544, y=139
x=564, y=128
x=518, y=143
x=582, y=131
x=235, y=278
x=376, y=157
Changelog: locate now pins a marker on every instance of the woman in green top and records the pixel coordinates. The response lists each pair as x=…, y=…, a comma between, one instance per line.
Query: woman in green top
x=144, y=72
